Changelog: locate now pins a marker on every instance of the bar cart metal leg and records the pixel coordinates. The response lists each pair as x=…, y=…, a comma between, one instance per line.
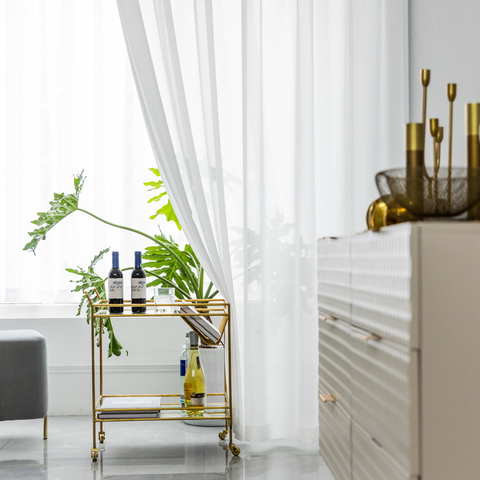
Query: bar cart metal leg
x=233, y=448
x=101, y=433
x=94, y=451
x=223, y=434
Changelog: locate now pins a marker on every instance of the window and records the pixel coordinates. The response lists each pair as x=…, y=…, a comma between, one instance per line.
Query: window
x=68, y=103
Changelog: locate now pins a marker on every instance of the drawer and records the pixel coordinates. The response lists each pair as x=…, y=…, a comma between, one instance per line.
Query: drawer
x=333, y=273
x=334, y=366
x=371, y=462
x=384, y=283
x=385, y=395
x=334, y=437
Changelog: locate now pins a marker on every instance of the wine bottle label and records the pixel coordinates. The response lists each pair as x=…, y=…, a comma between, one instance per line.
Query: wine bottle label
x=139, y=288
x=187, y=390
x=183, y=367
x=115, y=288
x=198, y=399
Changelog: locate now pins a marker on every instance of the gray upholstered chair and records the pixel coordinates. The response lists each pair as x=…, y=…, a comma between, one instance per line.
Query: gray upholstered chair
x=23, y=376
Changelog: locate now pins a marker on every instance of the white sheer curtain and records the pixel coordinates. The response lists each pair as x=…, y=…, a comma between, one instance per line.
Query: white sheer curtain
x=68, y=103
x=291, y=107
x=185, y=135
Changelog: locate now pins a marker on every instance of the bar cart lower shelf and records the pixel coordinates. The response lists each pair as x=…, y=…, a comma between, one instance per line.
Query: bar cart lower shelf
x=221, y=409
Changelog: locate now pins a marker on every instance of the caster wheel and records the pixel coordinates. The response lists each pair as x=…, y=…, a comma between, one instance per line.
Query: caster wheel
x=101, y=437
x=234, y=449
x=94, y=454
x=223, y=435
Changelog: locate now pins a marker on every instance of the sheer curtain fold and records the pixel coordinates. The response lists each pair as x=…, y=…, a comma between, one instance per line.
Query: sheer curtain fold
x=269, y=119
x=200, y=202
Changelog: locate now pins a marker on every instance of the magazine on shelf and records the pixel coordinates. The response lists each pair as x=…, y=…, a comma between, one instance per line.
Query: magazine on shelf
x=113, y=404
x=201, y=323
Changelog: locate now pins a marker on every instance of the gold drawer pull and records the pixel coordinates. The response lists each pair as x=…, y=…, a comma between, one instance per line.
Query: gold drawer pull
x=366, y=337
x=327, y=398
x=325, y=317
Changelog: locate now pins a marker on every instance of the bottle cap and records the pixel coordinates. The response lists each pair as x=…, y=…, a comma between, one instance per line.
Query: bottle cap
x=193, y=339
x=115, y=260
x=138, y=259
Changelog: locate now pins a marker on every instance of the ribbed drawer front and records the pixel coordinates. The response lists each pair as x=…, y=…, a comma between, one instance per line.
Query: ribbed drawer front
x=372, y=462
x=385, y=395
x=334, y=437
x=334, y=366
x=384, y=285
x=333, y=289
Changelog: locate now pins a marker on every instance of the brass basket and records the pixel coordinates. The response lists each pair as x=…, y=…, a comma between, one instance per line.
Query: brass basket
x=425, y=193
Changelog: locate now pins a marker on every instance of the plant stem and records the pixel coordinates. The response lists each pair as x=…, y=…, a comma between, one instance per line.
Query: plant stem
x=200, y=287
x=185, y=268
x=119, y=226
x=186, y=295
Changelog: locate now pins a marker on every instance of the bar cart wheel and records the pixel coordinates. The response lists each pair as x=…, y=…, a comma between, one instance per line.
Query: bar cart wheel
x=94, y=454
x=234, y=449
x=101, y=437
x=223, y=434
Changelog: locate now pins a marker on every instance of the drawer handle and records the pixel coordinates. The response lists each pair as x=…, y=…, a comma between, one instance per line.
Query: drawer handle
x=325, y=317
x=327, y=398
x=366, y=337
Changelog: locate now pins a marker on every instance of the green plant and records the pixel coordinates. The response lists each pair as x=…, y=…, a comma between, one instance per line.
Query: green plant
x=164, y=261
x=88, y=282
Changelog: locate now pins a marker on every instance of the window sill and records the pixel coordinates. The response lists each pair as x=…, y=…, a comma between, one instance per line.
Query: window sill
x=38, y=310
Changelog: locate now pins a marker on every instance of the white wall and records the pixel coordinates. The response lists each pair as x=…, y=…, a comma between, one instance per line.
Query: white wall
x=152, y=366
x=444, y=36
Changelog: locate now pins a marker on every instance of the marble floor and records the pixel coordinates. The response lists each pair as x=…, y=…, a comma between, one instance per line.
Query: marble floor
x=147, y=451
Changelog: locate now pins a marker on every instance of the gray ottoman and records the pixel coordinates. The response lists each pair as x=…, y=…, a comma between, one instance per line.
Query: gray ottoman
x=23, y=375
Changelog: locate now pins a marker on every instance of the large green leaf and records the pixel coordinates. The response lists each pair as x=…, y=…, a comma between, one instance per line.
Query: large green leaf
x=167, y=209
x=88, y=282
x=60, y=207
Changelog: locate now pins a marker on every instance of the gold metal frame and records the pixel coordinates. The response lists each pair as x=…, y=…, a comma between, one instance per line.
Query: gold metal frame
x=210, y=307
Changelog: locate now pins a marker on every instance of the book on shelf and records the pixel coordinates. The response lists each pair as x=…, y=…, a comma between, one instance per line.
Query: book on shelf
x=109, y=415
x=150, y=407
x=200, y=323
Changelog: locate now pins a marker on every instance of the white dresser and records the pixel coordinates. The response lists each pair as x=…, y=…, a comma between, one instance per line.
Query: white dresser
x=399, y=352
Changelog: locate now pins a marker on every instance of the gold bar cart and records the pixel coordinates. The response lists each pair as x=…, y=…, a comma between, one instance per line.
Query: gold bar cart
x=168, y=411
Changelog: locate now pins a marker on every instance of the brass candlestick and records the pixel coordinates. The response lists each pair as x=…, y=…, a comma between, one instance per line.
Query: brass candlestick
x=425, y=81
x=415, y=162
x=451, y=95
x=433, y=132
x=472, y=123
x=436, y=166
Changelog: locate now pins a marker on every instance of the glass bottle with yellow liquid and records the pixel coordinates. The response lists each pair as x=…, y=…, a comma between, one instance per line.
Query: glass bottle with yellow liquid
x=194, y=386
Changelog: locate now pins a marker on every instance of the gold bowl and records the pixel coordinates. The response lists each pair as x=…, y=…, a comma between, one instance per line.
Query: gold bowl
x=426, y=193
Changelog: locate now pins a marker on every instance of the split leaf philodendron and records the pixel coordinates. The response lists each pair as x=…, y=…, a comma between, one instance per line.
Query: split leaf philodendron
x=165, y=262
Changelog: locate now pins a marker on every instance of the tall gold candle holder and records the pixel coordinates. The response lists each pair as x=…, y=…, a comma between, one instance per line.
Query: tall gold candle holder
x=415, y=161
x=425, y=81
x=472, y=122
x=451, y=95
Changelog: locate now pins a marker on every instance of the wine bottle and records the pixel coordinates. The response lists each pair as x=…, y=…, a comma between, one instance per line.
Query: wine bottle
x=194, y=386
x=139, y=285
x=115, y=285
x=183, y=367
